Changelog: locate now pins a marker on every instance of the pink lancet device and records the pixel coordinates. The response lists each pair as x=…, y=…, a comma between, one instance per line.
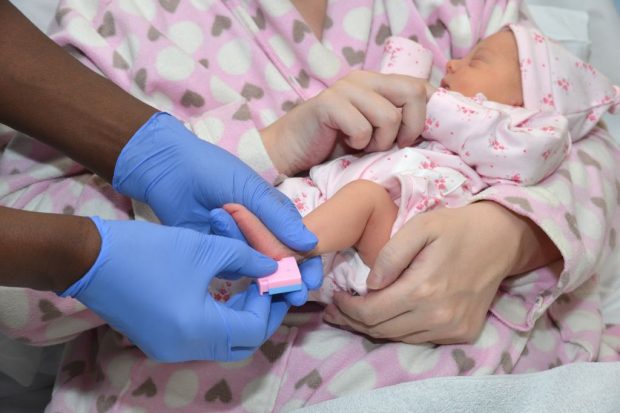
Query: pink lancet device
x=286, y=278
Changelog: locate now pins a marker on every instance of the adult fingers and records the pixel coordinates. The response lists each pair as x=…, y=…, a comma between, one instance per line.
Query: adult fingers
x=410, y=327
x=297, y=298
x=312, y=277
x=237, y=301
x=414, y=116
x=312, y=272
x=442, y=336
x=384, y=117
x=375, y=307
x=223, y=224
x=247, y=327
x=279, y=214
x=279, y=310
x=398, y=253
x=227, y=255
x=258, y=320
x=342, y=115
x=406, y=92
x=394, y=328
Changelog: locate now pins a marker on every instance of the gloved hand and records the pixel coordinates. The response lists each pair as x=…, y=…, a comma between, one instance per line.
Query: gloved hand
x=182, y=178
x=150, y=282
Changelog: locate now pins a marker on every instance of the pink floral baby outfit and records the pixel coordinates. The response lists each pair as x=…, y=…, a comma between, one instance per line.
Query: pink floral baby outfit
x=229, y=68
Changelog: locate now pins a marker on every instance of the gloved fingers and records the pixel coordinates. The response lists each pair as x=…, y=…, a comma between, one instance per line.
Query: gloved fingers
x=237, y=301
x=233, y=256
x=241, y=353
x=200, y=220
x=230, y=276
x=248, y=326
x=279, y=309
x=246, y=301
x=202, y=227
x=297, y=298
x=279, y=214
x=312, y=276
x=223, y=224
x=312, y=272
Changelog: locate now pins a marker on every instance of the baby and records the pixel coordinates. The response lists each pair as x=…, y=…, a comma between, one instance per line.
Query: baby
x=506, y=113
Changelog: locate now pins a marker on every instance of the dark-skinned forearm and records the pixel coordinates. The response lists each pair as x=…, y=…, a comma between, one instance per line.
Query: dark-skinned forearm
x=49, y=95
x=45, y=251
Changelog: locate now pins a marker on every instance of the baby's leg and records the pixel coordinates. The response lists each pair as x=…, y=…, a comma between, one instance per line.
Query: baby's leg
x=359, y=215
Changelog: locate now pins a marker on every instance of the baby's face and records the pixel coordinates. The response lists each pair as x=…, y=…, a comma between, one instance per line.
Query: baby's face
x=491, y=68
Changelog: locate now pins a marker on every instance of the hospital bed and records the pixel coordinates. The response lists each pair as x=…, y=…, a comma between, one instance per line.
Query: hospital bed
x=589, y=29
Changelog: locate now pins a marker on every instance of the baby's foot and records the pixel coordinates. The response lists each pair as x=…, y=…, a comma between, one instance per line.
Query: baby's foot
x=257, y=234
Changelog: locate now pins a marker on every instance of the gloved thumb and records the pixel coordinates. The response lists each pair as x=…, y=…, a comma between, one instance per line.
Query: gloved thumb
x=282, y=218
x=222, y=223
x=259, y=318
x=234, y=256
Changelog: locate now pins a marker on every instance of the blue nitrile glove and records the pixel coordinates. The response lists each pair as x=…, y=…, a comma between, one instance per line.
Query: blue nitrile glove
x=182, y=178
x=150, y=282
x=311, y=270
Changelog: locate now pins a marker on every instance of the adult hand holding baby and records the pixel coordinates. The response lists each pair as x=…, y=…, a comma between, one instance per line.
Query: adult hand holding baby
x=370, y=111
x=435, y=280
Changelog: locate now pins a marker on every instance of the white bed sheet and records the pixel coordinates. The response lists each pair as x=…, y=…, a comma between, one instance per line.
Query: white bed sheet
x=40, y=12
x=572, y=388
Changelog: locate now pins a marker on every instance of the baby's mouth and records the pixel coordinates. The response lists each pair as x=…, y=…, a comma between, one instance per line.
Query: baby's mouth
x=444, y=84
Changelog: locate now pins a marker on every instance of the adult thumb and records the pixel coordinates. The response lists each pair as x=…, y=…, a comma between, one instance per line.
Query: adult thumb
x=396, y=256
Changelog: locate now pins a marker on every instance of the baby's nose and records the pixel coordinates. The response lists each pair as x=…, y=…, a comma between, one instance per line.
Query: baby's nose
x=451, y=66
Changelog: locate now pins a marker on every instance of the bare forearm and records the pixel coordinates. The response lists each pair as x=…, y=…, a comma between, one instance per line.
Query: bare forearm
x=49, y=95
x=533, y=248
x=537, y=249
x=45, y=251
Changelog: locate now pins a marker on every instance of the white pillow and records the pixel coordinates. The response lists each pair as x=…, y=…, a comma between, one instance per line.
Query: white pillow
x=590, y=30
x=40, y=12
x=569, y=27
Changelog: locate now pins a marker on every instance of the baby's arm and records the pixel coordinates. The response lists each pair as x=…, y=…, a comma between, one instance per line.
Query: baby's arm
x=359, y=215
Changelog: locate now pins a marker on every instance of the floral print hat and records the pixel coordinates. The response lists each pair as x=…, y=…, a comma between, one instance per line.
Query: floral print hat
x=555, y=80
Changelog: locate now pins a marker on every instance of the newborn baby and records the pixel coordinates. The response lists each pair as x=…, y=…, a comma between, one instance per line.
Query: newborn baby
x=506, y=113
